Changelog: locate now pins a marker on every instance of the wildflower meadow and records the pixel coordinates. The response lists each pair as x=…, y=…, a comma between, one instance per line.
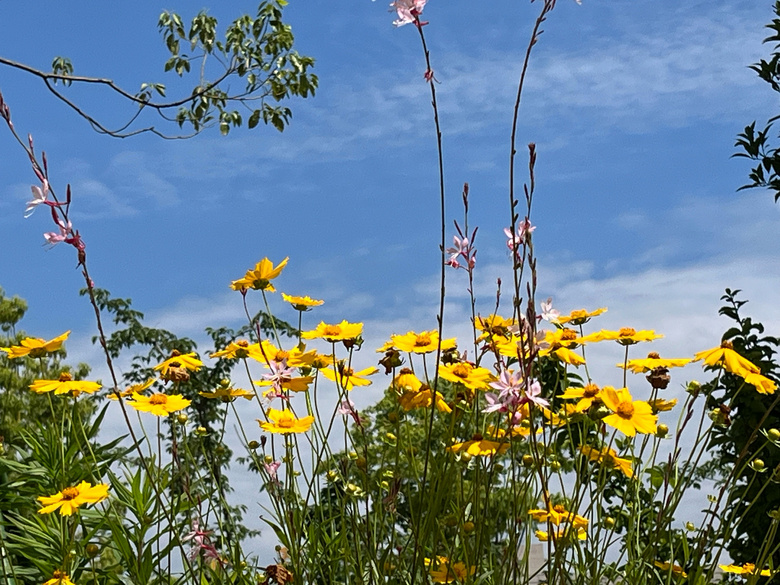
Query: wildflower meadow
x=513, y=452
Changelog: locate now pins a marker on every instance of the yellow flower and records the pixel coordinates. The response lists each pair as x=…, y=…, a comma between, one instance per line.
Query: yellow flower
x=763, y=384
x=724, y=355
x=560, y=343
x=131, y=389
x=558, y=515
x=296, y=384
x=422, y=399
x=587, y=395
x=284, y=422
x=302, y=303
x=424, y=342
x=661, y=405
x=59, y=578
x=228, y=394
x=159, y=404
x=470, y=376
x=260, y=278
x=676, y=569
x=176, y=367
x=406, y=381
x=630, y=416
x=35, y=347
x=297, y=357
x=337, y=332
x=347, y=378
x=69, y=499
x=625, y=336
x=607, y=456
x=580, y=316
x=562, y=534
x=442, y=571
x=64, y=385
x=494, y=326
x=746, y=569
x=478, y=445
x=238, y=350
x=653, y=361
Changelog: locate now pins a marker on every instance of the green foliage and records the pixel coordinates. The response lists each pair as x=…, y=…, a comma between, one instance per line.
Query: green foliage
x=741, y=436
x=757, y=145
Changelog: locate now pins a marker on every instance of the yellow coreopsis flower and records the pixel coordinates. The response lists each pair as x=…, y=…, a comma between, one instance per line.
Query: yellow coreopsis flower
x=661, y=405
x=64, y=385
x=478, y=445
x=587, y=395
x=347, y=378
x=422, y=399
x=284, y=422
x=406, y=381
x=260, y=277
x=442, y=571
x=630, y=416
x=624, y=336
x=297, y=357
x=68, y=500
x=35, y=347
x=579, y=316
x=557, y=515
x=763, y=384
x=131, y=389
x=608, y=457
x=560, y=343
x=302, y=303
x=59, y=578
x=228, y=394
x=176, y=367
x=337, y=332
x=425, y=342
x=159, y=404
x=562, y=534
x=294, y=384
x=494, y=326
x=653, y=361
x=471, y=376
x=724, y=355
x=746, y=569
x=676, y=569
x=238, y=350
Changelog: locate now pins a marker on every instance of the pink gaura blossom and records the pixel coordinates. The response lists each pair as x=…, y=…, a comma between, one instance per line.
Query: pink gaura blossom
x=548, y=313
x=39, y=195
x=65, y=231
x=408, y=11
x=279, y=374
x=516, y=240
x=347, y=408
x=272, y=469
x=514, y=392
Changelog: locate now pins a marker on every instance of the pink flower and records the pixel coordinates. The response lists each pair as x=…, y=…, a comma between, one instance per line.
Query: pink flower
x=347, y=407
x=271, y=469
x=548, y=313
x=66, y=231
x=279, y=374
x=408, y=11
x=463, y=248
x=524, y=230
x=39, y=196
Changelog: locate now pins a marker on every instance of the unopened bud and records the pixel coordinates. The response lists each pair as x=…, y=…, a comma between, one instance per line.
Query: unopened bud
x=690, y=526
x=773, y=435
x=609, y=522
x=693, y=387
x=201, y=431
x=182, y=418
x=661, y=431
x=555, y=466
x=253, y=445
x=528, y=460
x=468, y=527
x=92, y=550
x=758, y=464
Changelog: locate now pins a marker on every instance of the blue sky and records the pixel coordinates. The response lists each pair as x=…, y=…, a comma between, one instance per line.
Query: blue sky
x=634, y=107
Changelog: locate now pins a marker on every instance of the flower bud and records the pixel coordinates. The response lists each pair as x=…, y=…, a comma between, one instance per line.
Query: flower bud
x=555, y=466
x=92, y=550
x=758, y=464
x=182, y=418
x=468, y=527
x=352, y=455
x=332, y=475
x=693, y=387
x=253, y=445
x=690, y=526
x=201, y=431
x=391, y=437
x=268, y=459
x=528, y=460
x=361, y=462
x=661, y=431
x=609, y=522
x=773, y=435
